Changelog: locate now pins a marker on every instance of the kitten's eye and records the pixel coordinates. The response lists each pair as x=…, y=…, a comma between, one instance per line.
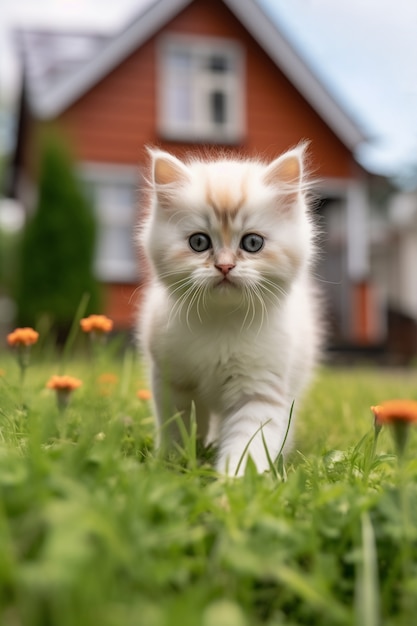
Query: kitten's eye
x=200, y=242
x=252, y=242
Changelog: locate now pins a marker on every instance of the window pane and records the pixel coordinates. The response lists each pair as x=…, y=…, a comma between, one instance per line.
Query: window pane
x=179, y=60
x=218, y=63
x=218, y=107
x=117, y=244
x=115, y=202
x=180, y=101
x=179, y=86
x=201, y=90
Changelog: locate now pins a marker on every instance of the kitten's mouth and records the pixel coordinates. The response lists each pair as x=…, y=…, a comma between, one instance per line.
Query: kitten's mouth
x=225, y=283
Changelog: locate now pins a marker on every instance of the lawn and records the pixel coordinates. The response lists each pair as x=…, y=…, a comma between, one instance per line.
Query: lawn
x=95, y=529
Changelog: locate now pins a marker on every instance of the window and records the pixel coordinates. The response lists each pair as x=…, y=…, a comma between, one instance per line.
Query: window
x=201, y=95
x=112, y=190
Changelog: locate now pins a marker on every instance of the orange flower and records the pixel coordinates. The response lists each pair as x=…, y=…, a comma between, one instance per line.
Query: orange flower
x=394, y=411
x=96, y=323
x=398, y=414
x=64, y=386
x=2, y=372
x=22, y=337
x=144, y=394
x=63, y=383
x=107, y=382
x=107, y=378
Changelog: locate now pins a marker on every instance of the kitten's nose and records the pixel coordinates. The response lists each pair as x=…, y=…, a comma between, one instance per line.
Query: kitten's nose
x=224, y=268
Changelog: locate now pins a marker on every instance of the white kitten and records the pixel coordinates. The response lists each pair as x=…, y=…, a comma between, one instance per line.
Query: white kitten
x=229, y=321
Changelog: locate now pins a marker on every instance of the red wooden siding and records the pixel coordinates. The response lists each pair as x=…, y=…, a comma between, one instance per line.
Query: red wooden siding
x=117, y=118
x=121, y=304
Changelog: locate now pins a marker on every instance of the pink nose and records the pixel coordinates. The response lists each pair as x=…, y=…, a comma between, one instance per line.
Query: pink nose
x=224, y=269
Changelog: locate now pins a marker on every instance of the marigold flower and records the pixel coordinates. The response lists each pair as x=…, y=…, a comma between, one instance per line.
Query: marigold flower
x=63, y=383
x=398, y=414
x=144, y=394
x=96, y=323
x=64, y=386
x=107, y=381
x=107, y=378
x=395, y=411
x=22, y=337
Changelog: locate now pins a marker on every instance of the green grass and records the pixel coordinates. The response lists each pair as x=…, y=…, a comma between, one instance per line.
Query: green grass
x=96, y=530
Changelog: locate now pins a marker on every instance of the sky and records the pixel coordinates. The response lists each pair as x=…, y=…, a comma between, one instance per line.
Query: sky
x=364, y=50
x=96, y=15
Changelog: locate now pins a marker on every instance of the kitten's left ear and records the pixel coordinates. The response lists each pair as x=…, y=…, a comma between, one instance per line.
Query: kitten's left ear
x=286, y=172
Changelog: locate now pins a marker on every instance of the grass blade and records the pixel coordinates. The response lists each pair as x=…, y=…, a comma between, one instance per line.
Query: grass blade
x=367, y=582
x=75, y=326
x=246, y=448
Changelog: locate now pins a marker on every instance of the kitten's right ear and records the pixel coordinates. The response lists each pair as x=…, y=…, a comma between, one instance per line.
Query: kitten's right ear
x=167, y=170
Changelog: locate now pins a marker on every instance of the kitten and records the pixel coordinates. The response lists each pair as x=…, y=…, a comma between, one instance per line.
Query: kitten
x=229, y=321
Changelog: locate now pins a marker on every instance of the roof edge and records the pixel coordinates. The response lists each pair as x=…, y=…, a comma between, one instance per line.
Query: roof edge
x=284, y=55
x=116, y=50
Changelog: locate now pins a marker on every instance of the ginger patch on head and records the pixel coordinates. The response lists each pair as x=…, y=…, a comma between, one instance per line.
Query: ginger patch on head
x=226, y=200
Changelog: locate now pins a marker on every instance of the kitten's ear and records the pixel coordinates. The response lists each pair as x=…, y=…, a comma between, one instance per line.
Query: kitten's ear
x=167, y=169
x=286, y=172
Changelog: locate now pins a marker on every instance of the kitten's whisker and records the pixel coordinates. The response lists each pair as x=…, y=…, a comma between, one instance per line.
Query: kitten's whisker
x=275, y=287
x=251, y=305
x=169, y=274
x=181, y=285
x=184, y=286
x=253, y=308
x=179, y=302
x=270, y=294
x=174, y=215
x=247, y=299
x=135, y=291
x=193, y=300
x=264, y=311
x=205, y=298
x=177, y=312
x=326, y=282
x=200, y=292
x=178, y=305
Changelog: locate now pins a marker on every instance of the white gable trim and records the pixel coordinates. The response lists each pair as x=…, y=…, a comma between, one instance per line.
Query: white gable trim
x=256, y=22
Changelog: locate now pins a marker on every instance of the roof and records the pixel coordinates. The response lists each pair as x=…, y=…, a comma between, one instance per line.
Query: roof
x=54, y=86
x=51, y=57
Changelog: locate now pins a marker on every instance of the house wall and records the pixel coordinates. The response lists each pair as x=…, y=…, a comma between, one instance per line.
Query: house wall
x=114, y=121
x=117, y=118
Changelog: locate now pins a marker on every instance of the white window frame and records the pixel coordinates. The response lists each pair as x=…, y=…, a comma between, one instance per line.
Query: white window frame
x=108, y=269
x=203, y=82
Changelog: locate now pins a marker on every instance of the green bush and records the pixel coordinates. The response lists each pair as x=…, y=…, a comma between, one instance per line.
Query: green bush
x=58, y=243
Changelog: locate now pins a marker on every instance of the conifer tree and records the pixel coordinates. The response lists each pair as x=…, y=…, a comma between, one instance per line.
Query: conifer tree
x=57, y=251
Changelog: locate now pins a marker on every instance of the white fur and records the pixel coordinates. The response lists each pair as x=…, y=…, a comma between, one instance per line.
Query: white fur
x=242, y=352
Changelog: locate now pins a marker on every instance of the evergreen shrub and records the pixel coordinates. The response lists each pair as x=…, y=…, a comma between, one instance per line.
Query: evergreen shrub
x=58, y=245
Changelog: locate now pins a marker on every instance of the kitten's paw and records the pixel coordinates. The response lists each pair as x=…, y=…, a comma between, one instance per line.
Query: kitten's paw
x=230, y=465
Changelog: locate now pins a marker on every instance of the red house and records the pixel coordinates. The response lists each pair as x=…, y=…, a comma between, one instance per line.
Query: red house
x=185, y=75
